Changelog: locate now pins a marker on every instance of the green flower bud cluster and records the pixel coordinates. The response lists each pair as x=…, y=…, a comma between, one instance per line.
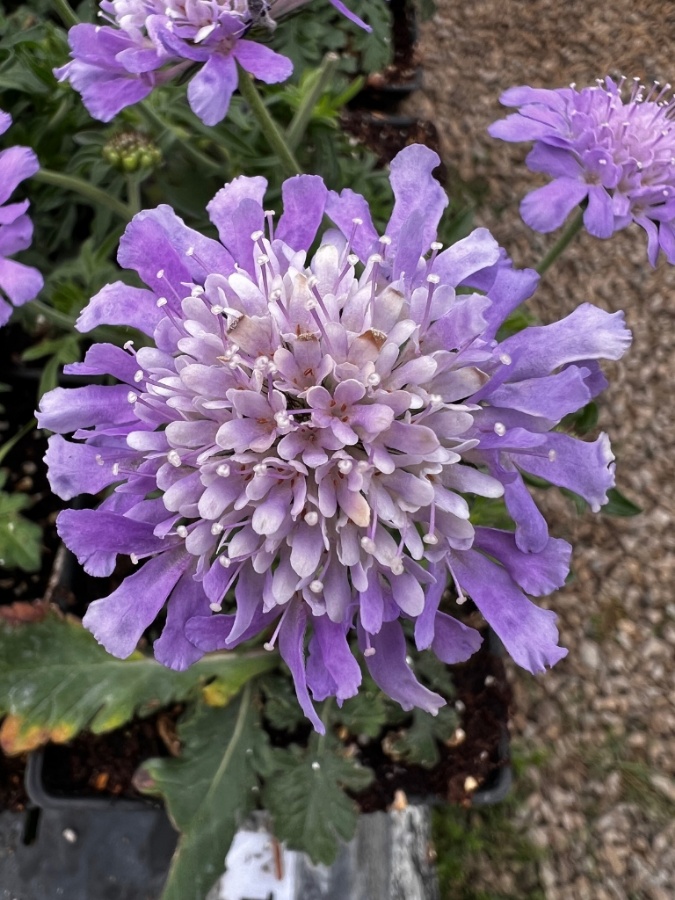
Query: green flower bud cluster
x=131, y=151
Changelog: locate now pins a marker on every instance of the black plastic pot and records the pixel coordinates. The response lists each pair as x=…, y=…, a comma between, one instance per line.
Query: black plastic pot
x=83, y=848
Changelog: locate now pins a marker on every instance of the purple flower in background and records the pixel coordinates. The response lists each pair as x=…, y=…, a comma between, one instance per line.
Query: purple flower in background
x=615, y=155
x=294, y=451
x=18, y=283
x=149, y=42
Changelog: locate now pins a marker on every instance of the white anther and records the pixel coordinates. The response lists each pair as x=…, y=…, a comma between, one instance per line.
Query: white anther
x=182, y=531
x=138, y=376
x=129, y=346
x=316, y=586
x=603, y=162
x=433, y=279
x=160, y=274
x=385, y=240
x=311, y=518
x=270, y=212
x=223, y=470
x=316, y=766
x=134, y=559
x=217, y=529
x=311, y=304
x=262, y=362
x=131, y=397
x=190, y=251
x=352, y=259
x=217, y=310
x=197, y=290
x=500, y=429
x=368, y=544
x=312, y=281
x=373, y=379
x=215, y=607
x=162, y=301
x=116, y=469
x=282, y=419
x=435, y=399
x=173, y=458
x=260, y=468
x=345, y=466
x=275, y=295
x=396, y=565
x=362, y=466
x=436, y=245
x=99, y=459
x=357, y=221
x=369, y=651
x=552, y=455
x=505, y=359
x=415, y=402
x=224, y=561
x=263, y=259
x=375, y=259
x=256, y=235
x=430, y=539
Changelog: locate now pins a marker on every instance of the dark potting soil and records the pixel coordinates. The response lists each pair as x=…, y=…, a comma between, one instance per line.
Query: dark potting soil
x=12, y=791
x=482, y=702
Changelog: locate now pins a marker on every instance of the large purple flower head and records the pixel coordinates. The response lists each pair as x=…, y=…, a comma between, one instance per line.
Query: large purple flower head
x=294, y=450
x=603, y=145
x=149, y=42
x=18, y=283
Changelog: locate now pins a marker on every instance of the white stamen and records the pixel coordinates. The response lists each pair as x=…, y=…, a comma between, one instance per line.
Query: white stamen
x=215, y=607
x=131, y=397
x=217, y=529
x=190, y=251
x=162, y=301
x=134, y=559
x=116, y=469
x=396, y=565
x=99, y=459
x=223, y=470
x=224, y=561
x=436, y=245
x=368, y=544
x=352, y=259
x=160, y=274
x=430, y=539
x=138, y=376
x=260, y=468
x=311, y=518
x=369, y=651
x=256, y=235
x=373, y=379
x=345, y=466
x=182, y=531
x=129, y=346
x=316, y=586
x=505, y=359
x=552, y=455
x=500, y=429
x=433, y=279
x=385, y=240
x=357, y=221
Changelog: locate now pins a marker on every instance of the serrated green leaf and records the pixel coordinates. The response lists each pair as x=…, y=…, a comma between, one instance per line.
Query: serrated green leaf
x=307, y=801
x=618, y=505
x=20, y=539
x=208, y=789
x=418, y=744
x=55, y=681
x=366, y=713
x=282, y=710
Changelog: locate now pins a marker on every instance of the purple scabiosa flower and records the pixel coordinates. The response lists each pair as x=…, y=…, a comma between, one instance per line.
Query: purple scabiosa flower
x=604, y=146
x=294, y=450
x=149, y=42
x=18, y=283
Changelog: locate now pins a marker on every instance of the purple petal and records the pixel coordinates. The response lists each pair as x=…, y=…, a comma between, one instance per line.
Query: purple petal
x=346, y=207
x=537, y=573
x=547, y=208
x=531, y=528
x=528, y=632
x=211, y=89
x=599, y=215
x=74, y=468
x=391, y=672
x=67, y=409
x=119, y=620
x=223, y=211
x=337, y=658
x=454, y=642
x=262, y=62
x=553, y=161
x=19, y=282
x=96, y=537
x=551, y=396
x=477, y=251
x=120, y=304
x=172, y=648
x=291, y=647
x=105, y=359
x=304, y=200
x=16, y=164
x=416, y=191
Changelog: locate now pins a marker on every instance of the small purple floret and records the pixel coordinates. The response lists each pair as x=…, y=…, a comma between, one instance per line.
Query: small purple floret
x=605, y=147
x=145, y=43
x=18, y=283
x=296, y=451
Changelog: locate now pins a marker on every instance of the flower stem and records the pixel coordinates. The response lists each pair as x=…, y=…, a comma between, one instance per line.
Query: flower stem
x=298, y=126
x=13, y=441
x=84, y=189
x=66, y=13
x=562, y=243
x=270, y=129
x=134, y=194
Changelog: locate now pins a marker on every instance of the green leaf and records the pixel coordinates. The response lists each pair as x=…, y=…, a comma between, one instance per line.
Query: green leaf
x=364, y=714
x=207, y=790
x=55, y=681
x=306, y=797
x=618, y=505
x=418, y=744
x=20, y=539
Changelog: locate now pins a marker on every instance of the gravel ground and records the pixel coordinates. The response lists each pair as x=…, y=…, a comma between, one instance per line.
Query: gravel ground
x=601, y=806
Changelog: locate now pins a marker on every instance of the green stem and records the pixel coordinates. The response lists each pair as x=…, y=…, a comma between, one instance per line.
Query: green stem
x=66, y=12
x=13, y=441
x=84, y=189
x=157, y=121
x=298, y=126
x=133, y=194
x=270, y=129
x=563, y=242
x=56, y=317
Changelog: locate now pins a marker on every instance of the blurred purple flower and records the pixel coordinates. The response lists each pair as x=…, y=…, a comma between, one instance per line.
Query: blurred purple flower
x=295, y=448
x=18, y=283
x=612, y=150
x=149, y=42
